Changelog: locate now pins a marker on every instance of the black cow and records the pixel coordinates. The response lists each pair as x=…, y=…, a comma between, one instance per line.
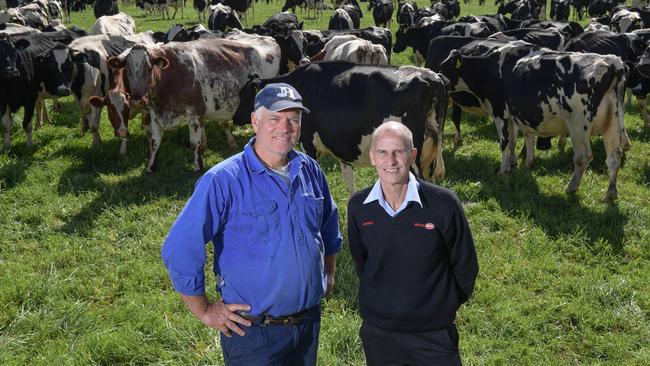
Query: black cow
x=222, y=17
x=418, y=38
x=382, y=11
x=201, y=7
x=560, y=9
x=291, y=4
x=599, y=8
x=364, y=96
x=105, y=7
x=27, y=64
x=282, y=22
x=575, y=94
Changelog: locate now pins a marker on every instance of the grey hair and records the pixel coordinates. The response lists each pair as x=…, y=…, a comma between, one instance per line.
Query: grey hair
x=394, y=128
x=258, y=112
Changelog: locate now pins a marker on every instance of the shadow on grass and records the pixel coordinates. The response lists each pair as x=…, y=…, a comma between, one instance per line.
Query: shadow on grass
x=518, y=194
x=174, y=177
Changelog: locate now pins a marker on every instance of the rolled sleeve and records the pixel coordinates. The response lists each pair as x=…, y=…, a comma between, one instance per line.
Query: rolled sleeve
x=184, y=249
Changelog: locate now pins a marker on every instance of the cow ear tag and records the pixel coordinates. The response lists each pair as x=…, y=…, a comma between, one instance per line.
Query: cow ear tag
x=458, y=63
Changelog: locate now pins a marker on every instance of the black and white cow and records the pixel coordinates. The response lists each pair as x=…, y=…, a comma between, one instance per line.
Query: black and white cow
x=120, y=24
x=28, y=72
x=624, y=21
x=316, y=39
x=194, y=82
x=414, y=96
x=382, y=12
x=448, y=9
x=550, y=38
x=405, y=15
x=576, y=94
x=222, y=18
x=569, y=29
x=340, y=20
x=629, y=47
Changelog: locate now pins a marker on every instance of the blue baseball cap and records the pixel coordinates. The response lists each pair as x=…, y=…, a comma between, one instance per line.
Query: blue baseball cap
x=278, y=97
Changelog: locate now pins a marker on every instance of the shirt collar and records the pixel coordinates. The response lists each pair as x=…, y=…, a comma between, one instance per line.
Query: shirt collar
x=255, y=164
x=412, y=194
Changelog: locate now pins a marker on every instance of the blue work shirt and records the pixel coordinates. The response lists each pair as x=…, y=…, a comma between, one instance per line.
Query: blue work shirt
x=269, y=238
x=412, y=195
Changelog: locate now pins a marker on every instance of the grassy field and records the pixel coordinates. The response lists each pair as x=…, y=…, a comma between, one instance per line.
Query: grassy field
x=563, y=279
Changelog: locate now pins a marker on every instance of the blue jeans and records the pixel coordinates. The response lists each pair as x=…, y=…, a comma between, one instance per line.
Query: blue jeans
x=274, y=344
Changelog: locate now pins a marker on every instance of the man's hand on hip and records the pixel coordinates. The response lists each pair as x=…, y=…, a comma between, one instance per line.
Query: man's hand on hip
x=218, y=315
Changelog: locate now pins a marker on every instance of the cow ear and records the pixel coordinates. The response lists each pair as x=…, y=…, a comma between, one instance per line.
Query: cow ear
x=115, y=63
x=21, y=44
x=458, y=61
x=162, y=61
x=96, y=101
x=300, y=25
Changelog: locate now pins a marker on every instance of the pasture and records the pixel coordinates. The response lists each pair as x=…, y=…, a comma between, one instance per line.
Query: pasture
x=563, y=278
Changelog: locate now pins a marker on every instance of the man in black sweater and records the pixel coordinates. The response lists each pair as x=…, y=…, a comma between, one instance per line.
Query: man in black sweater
x=415, y=257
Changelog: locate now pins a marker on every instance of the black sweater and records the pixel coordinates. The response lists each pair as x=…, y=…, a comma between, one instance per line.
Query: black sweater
x=417, y=268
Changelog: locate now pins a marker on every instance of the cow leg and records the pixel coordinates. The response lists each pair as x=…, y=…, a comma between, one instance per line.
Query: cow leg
x=456, y=113
x=347, y=173
x=40, y=106
x=505, y=132
x=530, y=150
x=643, y=102
x=196, y=139
x=581, y=157
x=27, y=122
x=93, y=125
x=155, y=133
x=7, y=121
x=612, y=139
x=229, y=136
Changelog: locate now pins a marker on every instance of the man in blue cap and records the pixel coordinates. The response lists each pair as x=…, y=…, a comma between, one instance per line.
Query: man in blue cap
x=274, y=227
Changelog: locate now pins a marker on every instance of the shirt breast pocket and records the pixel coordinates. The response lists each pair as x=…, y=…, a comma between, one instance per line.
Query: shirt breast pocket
x=260, y=229
x=314, y=213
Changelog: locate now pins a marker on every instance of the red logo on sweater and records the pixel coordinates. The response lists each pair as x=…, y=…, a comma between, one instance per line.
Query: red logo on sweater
x=367, y=223
x=428, y=225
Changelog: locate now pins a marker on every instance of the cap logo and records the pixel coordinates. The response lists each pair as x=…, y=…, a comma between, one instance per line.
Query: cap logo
x=286, y=92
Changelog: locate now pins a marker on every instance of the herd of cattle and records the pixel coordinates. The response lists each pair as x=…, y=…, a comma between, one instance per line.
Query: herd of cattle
x=543, y=78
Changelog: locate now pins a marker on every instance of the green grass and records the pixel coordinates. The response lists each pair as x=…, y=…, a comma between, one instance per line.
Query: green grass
x=563, y=279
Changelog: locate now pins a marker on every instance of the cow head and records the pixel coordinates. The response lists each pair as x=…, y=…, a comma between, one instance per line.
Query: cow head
x=117, y=102
x=9, y=51
x=293, y=45
x=450, y=67
x=247, y=94
x=643, y=65
x=141, y=71
x=57, y=68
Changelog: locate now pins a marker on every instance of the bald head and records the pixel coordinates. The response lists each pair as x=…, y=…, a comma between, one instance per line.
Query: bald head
x=396, y=129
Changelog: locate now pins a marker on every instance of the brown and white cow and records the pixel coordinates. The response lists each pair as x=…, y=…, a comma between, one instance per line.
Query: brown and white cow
x=118, y=24
x=194, y=82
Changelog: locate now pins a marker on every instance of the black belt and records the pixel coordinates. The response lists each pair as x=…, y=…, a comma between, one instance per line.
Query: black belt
x=265, y=319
